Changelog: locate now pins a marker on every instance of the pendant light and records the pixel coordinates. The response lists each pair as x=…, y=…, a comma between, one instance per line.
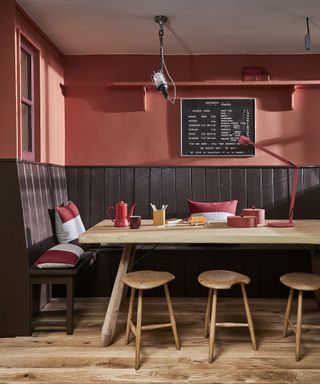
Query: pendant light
x=159, y=78
x=307, y=37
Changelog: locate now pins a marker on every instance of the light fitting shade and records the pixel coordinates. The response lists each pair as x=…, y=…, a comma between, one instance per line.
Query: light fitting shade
x=307, y=37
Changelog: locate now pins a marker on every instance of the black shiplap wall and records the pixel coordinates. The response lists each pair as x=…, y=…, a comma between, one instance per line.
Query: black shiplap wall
x=42, y=187
x=14, y=270
x=96, y=188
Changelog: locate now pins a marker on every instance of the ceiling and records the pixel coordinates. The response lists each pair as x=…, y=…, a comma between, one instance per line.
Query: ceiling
x=81, y=27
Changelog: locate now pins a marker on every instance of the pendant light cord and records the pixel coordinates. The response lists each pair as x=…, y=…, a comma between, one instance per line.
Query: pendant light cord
x=163, y=67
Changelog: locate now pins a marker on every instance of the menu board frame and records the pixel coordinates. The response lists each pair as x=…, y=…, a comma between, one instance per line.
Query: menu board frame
x=246, y=151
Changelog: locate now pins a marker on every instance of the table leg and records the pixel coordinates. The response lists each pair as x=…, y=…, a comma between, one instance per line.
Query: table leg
x=129, y=269
x=315, y=265
x=110, y=320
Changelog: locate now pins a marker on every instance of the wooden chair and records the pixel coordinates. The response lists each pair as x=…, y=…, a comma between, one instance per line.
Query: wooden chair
x=301, y=282
x=143, y=280
x=59, y=277
x=219, y=279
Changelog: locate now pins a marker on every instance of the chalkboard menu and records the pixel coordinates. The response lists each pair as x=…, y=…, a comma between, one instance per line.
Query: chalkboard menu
x=212, y=127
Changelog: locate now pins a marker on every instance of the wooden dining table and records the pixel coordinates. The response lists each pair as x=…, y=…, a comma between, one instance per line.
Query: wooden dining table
x=305, y=232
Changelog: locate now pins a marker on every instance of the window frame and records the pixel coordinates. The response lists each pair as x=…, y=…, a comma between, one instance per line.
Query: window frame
x=26, y=46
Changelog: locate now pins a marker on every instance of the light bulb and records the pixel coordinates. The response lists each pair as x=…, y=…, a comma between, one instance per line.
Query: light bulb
x=160, y=82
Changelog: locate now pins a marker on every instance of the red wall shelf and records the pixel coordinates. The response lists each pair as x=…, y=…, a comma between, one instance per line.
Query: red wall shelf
x=288, y=85
x=220, y=83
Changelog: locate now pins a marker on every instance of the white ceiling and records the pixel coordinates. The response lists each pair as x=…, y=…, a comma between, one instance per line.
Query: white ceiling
x=195, y=26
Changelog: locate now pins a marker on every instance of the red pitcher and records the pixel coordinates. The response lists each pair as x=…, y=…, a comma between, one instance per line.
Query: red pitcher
x=121, y=219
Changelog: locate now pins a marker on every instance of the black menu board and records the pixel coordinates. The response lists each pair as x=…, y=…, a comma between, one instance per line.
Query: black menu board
x=212, y=127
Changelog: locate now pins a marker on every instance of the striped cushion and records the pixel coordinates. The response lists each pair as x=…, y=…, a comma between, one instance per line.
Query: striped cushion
x=69, y=225
x=60, y=256
x=213, y=211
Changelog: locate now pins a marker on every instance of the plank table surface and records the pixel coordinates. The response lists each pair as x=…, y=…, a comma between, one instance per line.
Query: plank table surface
x=304, y=232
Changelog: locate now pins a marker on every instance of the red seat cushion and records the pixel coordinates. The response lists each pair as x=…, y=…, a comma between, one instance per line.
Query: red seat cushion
x=60, y=256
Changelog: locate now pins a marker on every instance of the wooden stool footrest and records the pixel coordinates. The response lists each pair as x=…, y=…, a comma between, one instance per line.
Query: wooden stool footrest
x=229, y=325
x=303, y=326
x=150, y=327
x=133, y=328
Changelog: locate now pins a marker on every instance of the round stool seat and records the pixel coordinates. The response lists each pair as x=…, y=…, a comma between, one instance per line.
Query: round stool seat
x=219, y=279
x=301, y=281
x=147, y=279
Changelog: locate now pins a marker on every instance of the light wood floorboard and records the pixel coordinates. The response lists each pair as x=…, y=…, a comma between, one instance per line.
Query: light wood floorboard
x=53, y=356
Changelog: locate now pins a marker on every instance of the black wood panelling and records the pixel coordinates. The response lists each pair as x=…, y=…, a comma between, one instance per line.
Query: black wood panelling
x=14, y=269
x=42, y=187
x=96, y=188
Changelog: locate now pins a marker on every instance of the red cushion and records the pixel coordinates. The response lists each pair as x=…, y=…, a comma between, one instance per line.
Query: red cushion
x=222, y=206
x=68, y=212
x=68, y=222
x=60, y=256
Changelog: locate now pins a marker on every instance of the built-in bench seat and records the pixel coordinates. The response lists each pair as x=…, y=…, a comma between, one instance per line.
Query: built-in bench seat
x=43, y=187
x=65, y=277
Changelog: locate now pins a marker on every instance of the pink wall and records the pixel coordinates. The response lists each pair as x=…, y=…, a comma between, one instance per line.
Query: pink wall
x=107, y=126
x=52, y=116
x=8, y=146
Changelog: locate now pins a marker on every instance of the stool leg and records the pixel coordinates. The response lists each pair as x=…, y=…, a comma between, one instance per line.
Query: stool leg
x=249, y=318
x=130, y=315
x=213, y=325
x=172, y=319
x=70, y=302
x=287, y=315
x=298, y=327
x=207, y=318
x=138, y=329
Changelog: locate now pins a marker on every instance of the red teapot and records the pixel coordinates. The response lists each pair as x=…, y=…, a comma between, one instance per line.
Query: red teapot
x=121, y=219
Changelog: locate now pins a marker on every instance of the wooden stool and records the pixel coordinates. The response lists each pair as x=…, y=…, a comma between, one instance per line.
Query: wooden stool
x=143, y=280
x=301, y=282
x=215, y=280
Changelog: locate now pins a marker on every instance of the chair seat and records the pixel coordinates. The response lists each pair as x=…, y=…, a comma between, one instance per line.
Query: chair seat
x=147, y=279
x=301, y=281
x=219, y=279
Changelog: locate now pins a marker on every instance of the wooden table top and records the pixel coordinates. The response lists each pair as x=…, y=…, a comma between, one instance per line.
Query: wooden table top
x=303, y=232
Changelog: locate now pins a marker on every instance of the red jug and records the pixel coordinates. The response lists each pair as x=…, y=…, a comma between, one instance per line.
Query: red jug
x=121, y=219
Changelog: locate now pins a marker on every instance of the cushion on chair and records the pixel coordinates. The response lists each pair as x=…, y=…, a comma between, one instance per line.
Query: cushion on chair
x=68, y=222
x=60, y=256
x=213, y=210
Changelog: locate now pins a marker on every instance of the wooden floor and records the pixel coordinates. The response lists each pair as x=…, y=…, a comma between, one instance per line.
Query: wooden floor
x=57, y=358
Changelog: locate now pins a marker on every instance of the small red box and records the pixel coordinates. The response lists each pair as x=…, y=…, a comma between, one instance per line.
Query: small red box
x=254, y=74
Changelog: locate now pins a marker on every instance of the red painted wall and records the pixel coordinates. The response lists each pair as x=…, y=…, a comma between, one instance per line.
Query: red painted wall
x=106, y=126
x=51, y=142
x=52, y=119
x=8, y=146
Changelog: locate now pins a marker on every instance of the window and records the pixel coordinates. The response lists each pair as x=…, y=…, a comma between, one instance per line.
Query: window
x=28, y=119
